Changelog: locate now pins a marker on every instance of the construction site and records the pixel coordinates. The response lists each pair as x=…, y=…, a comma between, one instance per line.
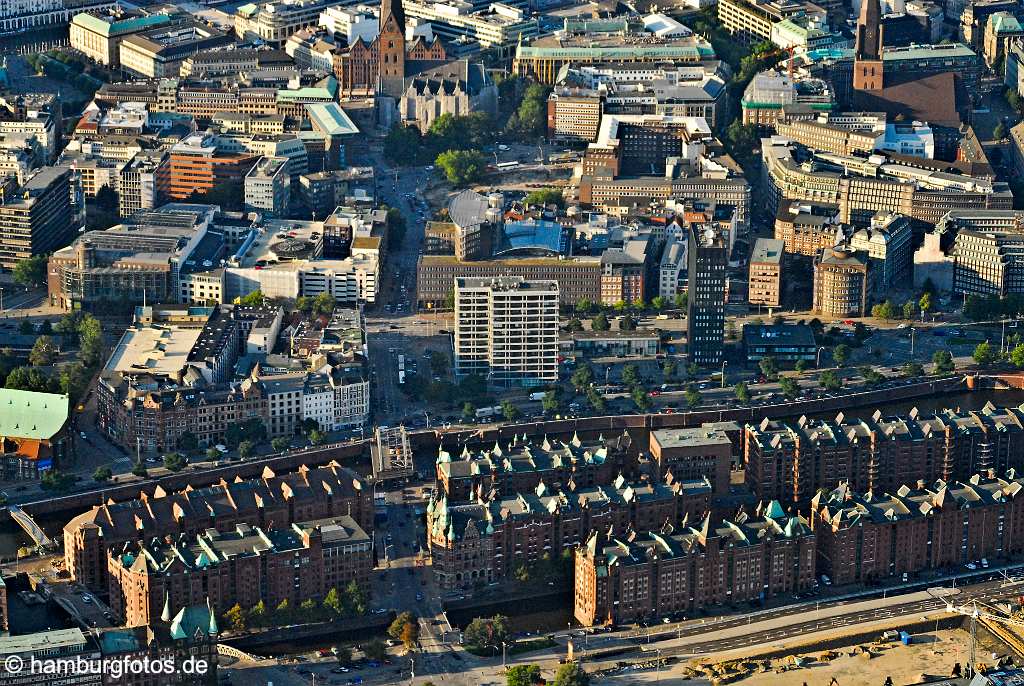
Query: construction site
x=946, y=647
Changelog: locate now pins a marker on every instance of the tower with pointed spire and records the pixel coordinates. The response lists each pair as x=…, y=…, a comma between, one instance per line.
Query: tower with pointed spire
x=391, y=49
x=867, y=61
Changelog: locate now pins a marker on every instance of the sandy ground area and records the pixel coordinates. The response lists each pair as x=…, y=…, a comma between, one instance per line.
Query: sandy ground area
x=932, y=653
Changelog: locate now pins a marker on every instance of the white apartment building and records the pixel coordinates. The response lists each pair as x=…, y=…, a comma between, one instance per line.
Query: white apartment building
x=506, y=330
x=318, y=401
x=143, y=182
x=274, y=22
x=672, y=267
x=284, y=402
x=268, y=187
x=352, y=23
x=499, y=25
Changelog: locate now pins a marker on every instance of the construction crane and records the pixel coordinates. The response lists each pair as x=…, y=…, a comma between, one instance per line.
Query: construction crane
x=977, y=611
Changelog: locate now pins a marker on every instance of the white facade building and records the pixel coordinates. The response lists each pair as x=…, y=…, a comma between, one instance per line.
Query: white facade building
x=506, y=330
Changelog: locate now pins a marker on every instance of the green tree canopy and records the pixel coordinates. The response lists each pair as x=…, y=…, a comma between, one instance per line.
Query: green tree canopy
x=44, y=352
x=789, y=387
x=545, y=196
x=102, y=474
x=985, y=354
x=600, y=322
x=462, y=167
x=174, y=462
x=742, y=392
x=483, y=633
x=31, y=271
x=943, y=361
x=522, y=675
x=841, y=354
x=830, y=381
x=571, y=674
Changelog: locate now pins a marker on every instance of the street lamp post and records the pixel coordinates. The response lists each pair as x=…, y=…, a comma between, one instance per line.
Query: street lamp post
x=725, y=363
x=817, y=357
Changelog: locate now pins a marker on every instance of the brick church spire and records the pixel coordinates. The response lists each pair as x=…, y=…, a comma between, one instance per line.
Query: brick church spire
x=867, y=64
x=391, y=48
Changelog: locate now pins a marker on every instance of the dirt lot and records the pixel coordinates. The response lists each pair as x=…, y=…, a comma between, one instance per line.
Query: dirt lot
x=931, y=653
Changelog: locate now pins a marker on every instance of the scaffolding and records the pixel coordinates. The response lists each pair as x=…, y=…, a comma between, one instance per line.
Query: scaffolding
x=390, y=454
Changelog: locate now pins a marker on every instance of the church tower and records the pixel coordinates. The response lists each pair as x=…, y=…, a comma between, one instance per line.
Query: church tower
x=391, y=49
x=867, y=59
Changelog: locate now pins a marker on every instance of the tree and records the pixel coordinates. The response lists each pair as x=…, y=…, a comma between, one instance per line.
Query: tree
x=333, y=602
x=468, y=410
x=841, y=354
x=509, y=411
x=395, y=630
x=304, y=304
x=640, y=398
x=802, y=366
x=600, y=322
x=742, y=392
x=627, y=323
x=439, y=363
x=44, y=352
x=343, y=654
x=595, y=400
x=410, y=636
x=31, y=272
x=574, y=325
x=830, y=381
x=402, y=144
x=741, y=138
x=571, y=674
x=909, y=309
x=985, y=354
x=174, y=462
x=90, y=341
x=212, y=453
x=324, y=303
x=943, y=361
x=789, y=387
x=1017, y=355
x=139, y=469
x=283, y=612
x=692, y=396
x=54, y=480
x=245, y=449
x=999, y=132
x=522, y=675
x=188, y=441
x=680, y=300
x=630, y=375
x=235, y=618
x=462, y=167
x=258, y=614
x=315, y=437
x=279, y=444
x=912, y=370
x=355, y=599
x=925, y=303
x=550, y=402
x=769, y=368
x=545, y=196
x=375, y=650
x=27, y=379
x=254, y=299
x=483, y=633
x=582, y=377
x=74, y=379
x=102, y=474
x=584, y=306
x=884, y=310
x=25, y=327
x=871, y=377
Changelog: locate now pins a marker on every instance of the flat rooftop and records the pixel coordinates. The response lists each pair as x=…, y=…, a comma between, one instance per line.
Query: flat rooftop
x=689, y=438
x=160, y=350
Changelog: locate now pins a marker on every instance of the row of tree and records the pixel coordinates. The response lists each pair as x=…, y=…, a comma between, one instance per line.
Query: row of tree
x=348, y=602
x=569, y=674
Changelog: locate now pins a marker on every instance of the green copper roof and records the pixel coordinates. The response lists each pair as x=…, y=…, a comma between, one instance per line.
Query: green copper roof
x=326, y=89
x=330, y=118
x=94, y=23
x=26, y=414
x=1004, y=22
